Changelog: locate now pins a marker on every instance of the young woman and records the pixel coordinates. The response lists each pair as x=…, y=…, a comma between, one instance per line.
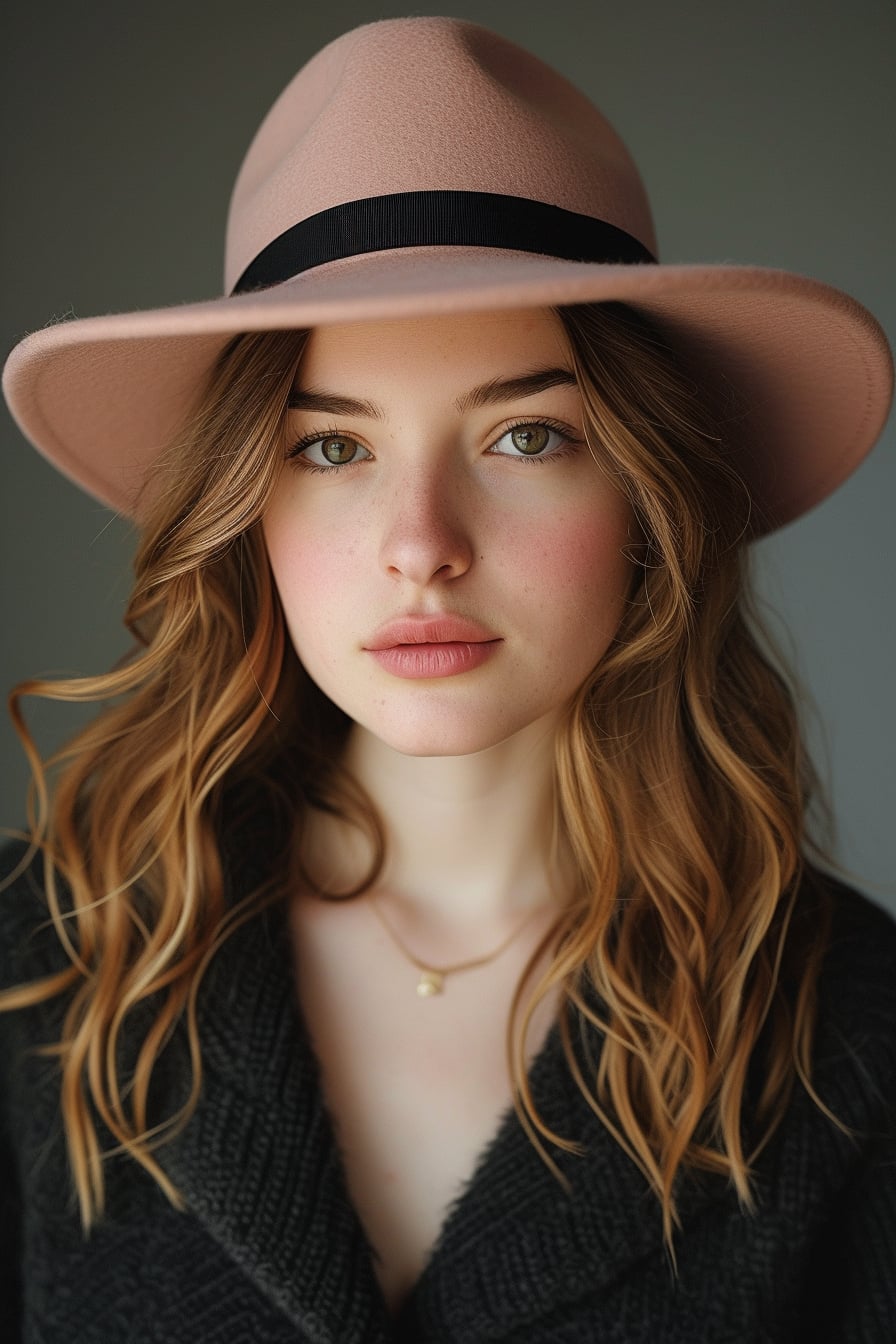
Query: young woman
x=422, y=942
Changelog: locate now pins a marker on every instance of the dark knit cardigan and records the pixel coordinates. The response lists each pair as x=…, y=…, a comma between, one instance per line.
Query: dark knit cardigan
x=270, y=1249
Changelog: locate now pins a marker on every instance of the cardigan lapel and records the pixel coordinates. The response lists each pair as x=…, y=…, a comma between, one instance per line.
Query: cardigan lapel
x=257, y=1162
x=515, y=1248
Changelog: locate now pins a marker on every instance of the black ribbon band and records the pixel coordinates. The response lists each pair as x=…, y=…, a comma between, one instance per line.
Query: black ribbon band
x=425, y=218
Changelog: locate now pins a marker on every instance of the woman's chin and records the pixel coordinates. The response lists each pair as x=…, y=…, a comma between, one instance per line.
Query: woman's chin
x=458, y=734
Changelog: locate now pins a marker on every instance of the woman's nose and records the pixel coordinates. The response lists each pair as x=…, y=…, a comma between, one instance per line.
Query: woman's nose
x=426, y=531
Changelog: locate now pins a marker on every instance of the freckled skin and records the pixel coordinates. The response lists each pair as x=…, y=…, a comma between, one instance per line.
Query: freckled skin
x=428, y=520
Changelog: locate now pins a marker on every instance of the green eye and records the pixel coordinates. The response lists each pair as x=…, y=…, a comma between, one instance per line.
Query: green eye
x=338, y=451
x=530, y=439
x=319, y=451
x=534, y=441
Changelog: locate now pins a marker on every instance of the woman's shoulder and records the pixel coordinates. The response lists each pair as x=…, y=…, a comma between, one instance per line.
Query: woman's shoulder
x=855, y=1042
x=860, y=960
x=29, y=943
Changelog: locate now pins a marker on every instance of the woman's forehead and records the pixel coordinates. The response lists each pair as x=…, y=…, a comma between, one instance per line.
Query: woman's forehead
x=451, y=351
x=443, y=335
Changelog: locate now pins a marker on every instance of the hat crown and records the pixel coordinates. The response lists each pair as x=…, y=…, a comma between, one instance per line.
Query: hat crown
x=422, y=104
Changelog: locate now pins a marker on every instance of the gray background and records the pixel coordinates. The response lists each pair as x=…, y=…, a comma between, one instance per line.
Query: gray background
x=764, y=132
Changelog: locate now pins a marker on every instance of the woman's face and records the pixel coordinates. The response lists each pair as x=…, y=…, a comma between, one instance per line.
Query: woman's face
x=419, y=502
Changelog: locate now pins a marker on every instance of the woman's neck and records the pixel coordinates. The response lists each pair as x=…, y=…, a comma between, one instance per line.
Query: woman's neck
x=470, y=842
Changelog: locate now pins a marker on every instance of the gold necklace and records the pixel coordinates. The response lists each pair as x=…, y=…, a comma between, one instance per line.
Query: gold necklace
x=432, y=978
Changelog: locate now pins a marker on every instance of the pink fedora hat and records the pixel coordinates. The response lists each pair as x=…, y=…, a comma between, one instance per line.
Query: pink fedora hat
x=418, y=166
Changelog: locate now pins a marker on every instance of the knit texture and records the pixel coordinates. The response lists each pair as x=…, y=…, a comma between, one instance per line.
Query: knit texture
x=271, y=1249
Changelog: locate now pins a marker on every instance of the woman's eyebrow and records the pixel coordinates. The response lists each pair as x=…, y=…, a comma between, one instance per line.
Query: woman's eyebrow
x=487, y=394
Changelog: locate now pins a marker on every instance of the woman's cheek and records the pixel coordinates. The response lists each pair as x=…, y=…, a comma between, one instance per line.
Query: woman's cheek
x=584, y=557
x=306, y=568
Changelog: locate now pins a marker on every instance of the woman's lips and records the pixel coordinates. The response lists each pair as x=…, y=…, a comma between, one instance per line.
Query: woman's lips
x=431, y=646
x=446, y=659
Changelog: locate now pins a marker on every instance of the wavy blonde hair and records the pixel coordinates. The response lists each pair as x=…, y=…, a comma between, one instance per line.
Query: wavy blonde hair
x=682, y=787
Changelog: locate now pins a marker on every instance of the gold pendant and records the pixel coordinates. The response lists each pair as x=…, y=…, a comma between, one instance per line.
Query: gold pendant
x=430, y=983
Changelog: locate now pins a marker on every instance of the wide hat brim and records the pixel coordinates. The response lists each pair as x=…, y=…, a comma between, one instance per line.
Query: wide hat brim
x=809, y=368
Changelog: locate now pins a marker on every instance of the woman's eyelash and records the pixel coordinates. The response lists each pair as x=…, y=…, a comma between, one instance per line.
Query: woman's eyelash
x=331, y=432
